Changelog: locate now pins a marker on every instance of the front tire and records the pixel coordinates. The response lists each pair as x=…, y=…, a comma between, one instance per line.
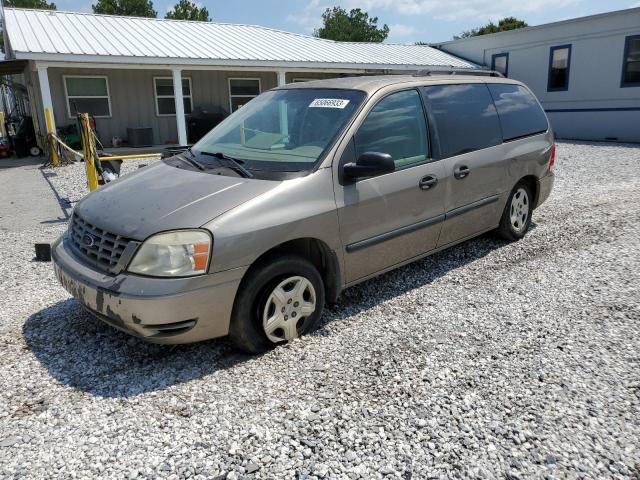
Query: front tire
x=516, y=217
x=279, y=300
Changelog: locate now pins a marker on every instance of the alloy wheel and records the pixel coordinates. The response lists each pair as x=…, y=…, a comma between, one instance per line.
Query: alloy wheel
x=519, y=212
x=288, y=305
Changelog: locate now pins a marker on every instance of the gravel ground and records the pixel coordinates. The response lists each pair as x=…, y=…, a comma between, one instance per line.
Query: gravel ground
x=70, y=182
x=487, y=360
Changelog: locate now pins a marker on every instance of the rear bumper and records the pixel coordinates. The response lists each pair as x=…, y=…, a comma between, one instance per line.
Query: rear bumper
x=545, y=185
x=160, y=310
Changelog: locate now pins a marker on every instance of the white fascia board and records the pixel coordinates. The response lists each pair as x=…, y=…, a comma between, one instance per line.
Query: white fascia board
x=192, y=64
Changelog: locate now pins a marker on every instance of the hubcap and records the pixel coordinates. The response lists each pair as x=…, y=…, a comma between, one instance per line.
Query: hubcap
x=287, y=307
x=519, y=210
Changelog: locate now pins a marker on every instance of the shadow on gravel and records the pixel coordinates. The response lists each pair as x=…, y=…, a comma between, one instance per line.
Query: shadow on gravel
x=414, y=275
x=84, y=353
x=80, y=351
x=65, y=204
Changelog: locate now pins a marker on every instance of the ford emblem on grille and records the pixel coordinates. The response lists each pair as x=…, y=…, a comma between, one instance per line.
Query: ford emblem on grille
x=88, y=240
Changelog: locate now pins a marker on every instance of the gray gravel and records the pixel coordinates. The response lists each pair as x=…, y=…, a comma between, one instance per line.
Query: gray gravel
x=70, y=182
x=488, y=360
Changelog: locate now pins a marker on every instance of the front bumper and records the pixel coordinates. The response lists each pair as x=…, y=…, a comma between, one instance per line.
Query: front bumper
x=545, y=185
x=160, y=310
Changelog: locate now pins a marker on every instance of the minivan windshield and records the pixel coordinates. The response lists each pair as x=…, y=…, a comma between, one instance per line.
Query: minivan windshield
x=279, y=131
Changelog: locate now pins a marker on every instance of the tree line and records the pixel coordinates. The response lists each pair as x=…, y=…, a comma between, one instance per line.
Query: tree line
x=357, y=26
x=183, y=10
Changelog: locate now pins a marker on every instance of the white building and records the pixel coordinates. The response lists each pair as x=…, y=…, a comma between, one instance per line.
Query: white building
x=585, y=71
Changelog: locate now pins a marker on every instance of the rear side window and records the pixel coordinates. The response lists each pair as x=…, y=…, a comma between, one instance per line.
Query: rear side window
x=396, y=125
x=519, y=112
x=465, y=118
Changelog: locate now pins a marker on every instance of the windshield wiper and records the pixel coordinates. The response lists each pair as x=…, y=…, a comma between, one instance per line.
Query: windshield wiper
x=237, y=166
x=193, y=161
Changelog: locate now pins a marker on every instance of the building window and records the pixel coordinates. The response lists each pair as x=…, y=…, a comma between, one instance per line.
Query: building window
x=165, y=98
x=241, y=90
x=631, y=62
x=500, y=63
x=87, y=94
x=559, y=64
x=302, y=80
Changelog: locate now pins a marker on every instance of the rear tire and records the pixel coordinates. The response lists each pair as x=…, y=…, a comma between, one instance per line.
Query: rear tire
x=280, y=299
x=516, y=218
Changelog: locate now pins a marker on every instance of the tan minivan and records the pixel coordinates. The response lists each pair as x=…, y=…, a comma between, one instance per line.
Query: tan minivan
x=304, y=191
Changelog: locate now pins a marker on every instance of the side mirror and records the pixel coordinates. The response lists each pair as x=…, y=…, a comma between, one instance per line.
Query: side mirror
x=369, y=164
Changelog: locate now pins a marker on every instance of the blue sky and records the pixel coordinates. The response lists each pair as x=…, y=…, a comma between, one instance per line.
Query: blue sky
x=409, y=20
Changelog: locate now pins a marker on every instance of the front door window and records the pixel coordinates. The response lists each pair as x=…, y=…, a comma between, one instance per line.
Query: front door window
x=396, y=125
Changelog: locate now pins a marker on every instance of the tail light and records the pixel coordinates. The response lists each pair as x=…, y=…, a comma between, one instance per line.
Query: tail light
x=552, y=160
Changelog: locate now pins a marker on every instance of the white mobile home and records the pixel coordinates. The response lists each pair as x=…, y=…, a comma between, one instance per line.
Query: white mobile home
x=124, y=71
x=585, y=71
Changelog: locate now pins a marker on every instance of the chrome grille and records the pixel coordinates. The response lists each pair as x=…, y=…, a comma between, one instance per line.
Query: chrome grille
x=99, y=247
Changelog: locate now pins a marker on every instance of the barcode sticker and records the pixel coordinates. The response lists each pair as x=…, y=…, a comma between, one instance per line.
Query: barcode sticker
x=329, y=103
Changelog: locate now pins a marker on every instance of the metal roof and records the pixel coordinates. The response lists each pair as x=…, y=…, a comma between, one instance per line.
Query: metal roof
x=69, y=36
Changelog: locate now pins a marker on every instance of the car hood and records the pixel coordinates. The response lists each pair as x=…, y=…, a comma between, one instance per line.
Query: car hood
x=162, y=197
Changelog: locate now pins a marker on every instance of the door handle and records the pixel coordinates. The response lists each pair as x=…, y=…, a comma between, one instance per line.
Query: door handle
x=427, y=182
x=461, y=172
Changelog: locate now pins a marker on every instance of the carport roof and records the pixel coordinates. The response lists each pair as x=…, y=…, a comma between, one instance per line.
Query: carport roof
x=68, y=36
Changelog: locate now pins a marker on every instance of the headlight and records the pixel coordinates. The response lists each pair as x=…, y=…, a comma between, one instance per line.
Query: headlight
x=173, y=254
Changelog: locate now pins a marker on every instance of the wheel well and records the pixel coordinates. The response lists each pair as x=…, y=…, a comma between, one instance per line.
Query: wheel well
x=532, y=183
x=319, y=254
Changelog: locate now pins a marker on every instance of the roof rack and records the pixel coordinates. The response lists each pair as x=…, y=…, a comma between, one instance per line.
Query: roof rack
x=458, y=71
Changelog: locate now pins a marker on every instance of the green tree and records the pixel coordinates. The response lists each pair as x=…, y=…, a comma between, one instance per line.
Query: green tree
x=132, y=8
x=186, y=10
x=354, y=26
x=39, y=4
x=507, y=23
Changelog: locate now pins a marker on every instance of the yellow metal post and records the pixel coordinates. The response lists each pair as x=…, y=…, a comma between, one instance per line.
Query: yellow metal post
x=3, y=131
x=89, y=152
x=48, y=116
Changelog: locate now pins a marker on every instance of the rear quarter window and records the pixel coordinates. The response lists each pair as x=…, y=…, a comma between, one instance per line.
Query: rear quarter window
x=519, y=112
x=465, y=118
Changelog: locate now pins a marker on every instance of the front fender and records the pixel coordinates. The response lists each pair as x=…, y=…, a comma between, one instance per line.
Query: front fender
x=296, y=209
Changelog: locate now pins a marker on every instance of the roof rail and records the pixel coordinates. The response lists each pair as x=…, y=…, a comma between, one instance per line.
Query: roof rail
x=458, y=71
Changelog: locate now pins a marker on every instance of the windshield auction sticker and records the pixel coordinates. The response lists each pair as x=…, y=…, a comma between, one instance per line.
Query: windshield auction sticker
x=329, y=103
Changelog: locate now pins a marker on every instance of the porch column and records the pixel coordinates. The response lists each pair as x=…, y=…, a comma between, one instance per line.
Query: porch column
x=177, y=92
x=45, y=93
x=282, y=77
x=284, y=121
